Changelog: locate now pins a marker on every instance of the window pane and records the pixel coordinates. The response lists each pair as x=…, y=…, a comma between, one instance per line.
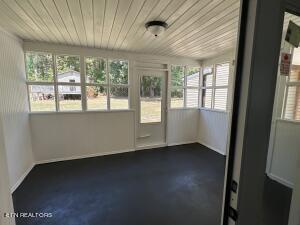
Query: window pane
x=177, y=74
x=207, y=80
x=96, y=97
x=295, y=73
x=118, y=71
x=206, y=98
x=177, y=98
x=39, y=67
x=192, y=98
x=119, y=97
x=95, y=70
x=292, y=108
x=192, y=78
x=69, y=98
x=220, y=101
x=68, y=69
x=222, y=74
x=42, y=98
x=150, y=93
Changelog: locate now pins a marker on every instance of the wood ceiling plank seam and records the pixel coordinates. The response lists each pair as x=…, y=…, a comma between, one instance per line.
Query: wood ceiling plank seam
x=74, y=9
x=138, y=4
x=206, y=28
x=124, y=8
x=65, y=14
x=182, y=22
x=39, y=20
x=31, y=27
x=105, y=41
x=213, y=43
x=146, y=10
x=45, y=16
x=216, y=43
x=99, y=8
x=208, y=15
x=51, y=9
x=183, y=48
x=153, y=15
x=202, y=34
x=209, y=40
x=219, y=24
x=31, y=15
x=13, y=26
x=10, y=15
x=186, y=6
x=87, y=12
x=102, y=31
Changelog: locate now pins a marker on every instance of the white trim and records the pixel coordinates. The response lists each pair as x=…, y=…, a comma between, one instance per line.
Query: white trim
x=83, y=156
x=213, y=110
x=182, y=143
x=20, y=180
x=212, y=148
x=280, y=180
x=82, y=112
x=143, y=147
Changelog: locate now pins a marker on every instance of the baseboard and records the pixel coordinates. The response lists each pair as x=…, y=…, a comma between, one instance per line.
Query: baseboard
x=182, y=143
x=212, y=148
x=20, y=180
x=160, y=145
x=83, y=156
x=280, y=180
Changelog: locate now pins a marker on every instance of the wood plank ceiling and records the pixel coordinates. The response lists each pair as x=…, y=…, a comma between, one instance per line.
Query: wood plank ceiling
x=197, y=28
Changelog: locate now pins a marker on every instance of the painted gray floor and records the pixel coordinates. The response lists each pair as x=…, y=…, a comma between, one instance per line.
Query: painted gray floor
x=180, y=185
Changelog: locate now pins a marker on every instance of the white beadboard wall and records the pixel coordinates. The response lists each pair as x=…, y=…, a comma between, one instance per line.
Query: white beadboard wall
x=6, y=204
x=213, y=125
x=213, y=130
x=182, y=126
x=14, y=108
x=285, y=152
x=63, y=136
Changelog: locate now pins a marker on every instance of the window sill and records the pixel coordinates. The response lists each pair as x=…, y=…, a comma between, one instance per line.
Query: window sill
x=289, y=121
x=182, y=108
x=213, y=110
x=83, y=112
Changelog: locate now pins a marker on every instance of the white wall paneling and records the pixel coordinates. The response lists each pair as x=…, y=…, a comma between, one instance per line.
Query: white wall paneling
x=197, y=29
x=283, y=165
x=63, y=136
x=14, y=108
x=213, y=130
x=182, y=126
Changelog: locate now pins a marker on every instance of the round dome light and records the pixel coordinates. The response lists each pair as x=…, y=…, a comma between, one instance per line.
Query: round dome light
x=156, y=27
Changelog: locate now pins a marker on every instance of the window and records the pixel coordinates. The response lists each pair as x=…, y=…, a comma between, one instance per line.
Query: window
x=68, y=83
x=40, y=81
x=55, y=83
x=292, y=98
x=215, y=86
x=185, y=86
x=150, y=99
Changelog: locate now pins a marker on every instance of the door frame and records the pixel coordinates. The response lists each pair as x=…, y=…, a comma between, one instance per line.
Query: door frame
x=256, y=72
x=164, y=108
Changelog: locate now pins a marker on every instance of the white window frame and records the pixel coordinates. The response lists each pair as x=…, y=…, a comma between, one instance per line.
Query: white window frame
x=185, y=87
x=82, y=84
x=214, y=87
x=289, y=84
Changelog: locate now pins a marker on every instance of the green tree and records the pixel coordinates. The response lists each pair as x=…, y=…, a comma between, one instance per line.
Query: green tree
x=39, y=67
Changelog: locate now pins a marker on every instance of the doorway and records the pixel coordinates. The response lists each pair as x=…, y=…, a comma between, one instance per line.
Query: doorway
x=152, y=105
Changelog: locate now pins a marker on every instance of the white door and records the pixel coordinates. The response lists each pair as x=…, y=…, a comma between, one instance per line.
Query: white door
x=152, y=108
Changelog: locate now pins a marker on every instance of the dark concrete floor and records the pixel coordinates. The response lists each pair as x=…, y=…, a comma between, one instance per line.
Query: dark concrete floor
x=180, y=185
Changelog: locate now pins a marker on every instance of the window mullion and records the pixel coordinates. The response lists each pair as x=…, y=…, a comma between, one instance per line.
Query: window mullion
x=82, y=83
x=108, y=84
x=55, y=82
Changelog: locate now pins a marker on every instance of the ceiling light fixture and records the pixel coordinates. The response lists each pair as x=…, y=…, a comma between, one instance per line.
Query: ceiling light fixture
x=156, y=27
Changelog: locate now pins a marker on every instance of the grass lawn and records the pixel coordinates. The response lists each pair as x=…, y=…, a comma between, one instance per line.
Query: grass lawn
x=150, y=109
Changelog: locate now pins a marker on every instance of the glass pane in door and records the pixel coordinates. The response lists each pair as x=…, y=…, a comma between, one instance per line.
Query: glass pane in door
x=150, y=99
